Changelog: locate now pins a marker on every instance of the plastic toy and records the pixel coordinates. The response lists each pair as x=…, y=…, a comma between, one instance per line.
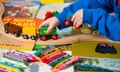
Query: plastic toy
x=42, y=31
x=45, y=36
x=105, y=48
x=51, y=14
x=69, y=22
x=48, y=15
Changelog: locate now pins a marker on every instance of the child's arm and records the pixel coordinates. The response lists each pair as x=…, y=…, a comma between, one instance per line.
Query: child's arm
x=84, y=4
x=108, y=25
x=73, y=8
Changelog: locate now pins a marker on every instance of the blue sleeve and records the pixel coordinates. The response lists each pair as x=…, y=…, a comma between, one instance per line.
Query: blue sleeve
x=84, y=4
x=106, y=24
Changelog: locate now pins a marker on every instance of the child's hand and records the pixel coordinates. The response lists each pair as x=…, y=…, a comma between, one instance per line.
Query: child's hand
x=77, y=18
x=51, y=23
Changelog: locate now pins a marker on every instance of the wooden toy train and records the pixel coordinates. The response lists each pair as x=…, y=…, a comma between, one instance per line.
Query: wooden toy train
x=28, y=30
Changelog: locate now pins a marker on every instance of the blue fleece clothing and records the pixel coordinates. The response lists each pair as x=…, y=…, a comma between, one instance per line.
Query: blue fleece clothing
x=96, y=13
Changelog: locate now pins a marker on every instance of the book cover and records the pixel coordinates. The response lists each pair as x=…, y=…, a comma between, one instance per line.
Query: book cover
x=97, y=65
x=21, y=8
x=11, y=37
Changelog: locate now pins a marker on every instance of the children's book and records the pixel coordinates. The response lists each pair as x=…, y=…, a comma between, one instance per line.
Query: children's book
x=21, y=8
x=99, y=49
x=93, y=64
x=10, y=40
x=55, y=1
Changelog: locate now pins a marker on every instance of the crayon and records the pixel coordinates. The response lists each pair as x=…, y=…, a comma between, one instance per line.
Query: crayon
x=60, y=59
x=41, y=50
x=48, y=59
x=19, y=61
x=15, y=57
x=28, y=55
x=16, y=63
x=50, y=51
x=67, y=63
x=19, y=55
x=10, y=67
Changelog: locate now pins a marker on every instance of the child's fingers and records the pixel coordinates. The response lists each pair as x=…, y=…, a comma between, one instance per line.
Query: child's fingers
x=77, y=19
x=45, y=23
x=77, y=22
x=50, y=28
x=73, y=17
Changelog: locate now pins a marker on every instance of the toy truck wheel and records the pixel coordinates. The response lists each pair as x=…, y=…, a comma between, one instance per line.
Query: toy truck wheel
x=54, y=37
x=25, y=37
x=16, y=34
x=43, y=38
x=6, y=31
x=33, y=37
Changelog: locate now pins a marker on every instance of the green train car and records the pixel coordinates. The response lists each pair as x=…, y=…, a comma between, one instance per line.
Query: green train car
x=45, y=36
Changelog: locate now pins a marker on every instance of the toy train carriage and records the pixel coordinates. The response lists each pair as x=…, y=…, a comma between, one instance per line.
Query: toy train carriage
x=25, y=27
x=45, y=36
x=29, y=32
x=12, y=28
x=26, y=32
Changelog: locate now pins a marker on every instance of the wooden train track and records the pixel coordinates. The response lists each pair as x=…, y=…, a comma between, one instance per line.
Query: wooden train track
x=64, y=40
x=1, y=13
x=75, y=39
x=1, y=9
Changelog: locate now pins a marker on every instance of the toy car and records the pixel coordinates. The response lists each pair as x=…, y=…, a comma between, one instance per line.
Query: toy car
x=105, y=48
